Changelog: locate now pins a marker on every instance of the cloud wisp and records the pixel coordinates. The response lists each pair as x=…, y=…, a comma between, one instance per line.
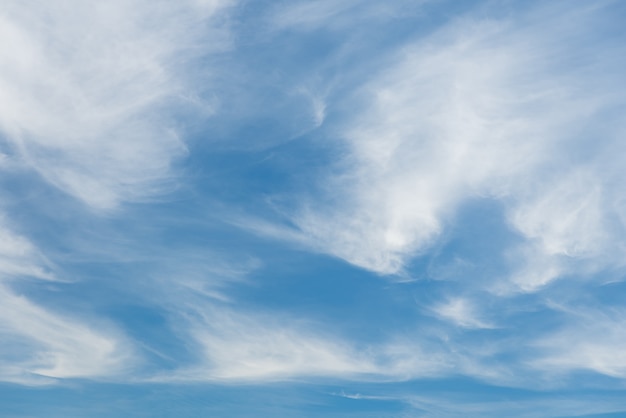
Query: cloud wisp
x=479, y=109
x=87, y=99
x=87, y=90
x=39, y=344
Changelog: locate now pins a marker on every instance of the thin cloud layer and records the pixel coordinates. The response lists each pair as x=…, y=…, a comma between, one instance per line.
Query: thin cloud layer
x=239, y=347
x=333, y=15
x=233, y=344
x=592, y=341
x=480, y=109
x=39, y=344
x=87, y=96
x=19, y=257
x=87, y=90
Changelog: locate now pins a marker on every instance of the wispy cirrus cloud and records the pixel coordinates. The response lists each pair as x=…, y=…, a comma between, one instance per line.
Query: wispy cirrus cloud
x=88, y=93
x=87, y=89
x=325, y=14
x=39, y=344
x=244, y=347
x=483, y=108
x=518, y=110
x=461, y=312
x=19, y=257
x=231, y=343
x=538, y=404
x=590, y=341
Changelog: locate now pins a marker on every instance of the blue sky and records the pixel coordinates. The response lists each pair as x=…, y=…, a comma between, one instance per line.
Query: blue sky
x=312, y=208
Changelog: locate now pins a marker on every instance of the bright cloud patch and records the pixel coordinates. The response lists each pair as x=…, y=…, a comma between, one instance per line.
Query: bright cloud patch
x=88, y=91
x=478, y=109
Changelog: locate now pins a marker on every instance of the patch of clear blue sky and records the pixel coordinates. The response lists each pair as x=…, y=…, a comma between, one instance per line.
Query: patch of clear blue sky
x=344, y=399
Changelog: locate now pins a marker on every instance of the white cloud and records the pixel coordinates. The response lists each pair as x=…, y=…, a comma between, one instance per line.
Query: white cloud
x=591, y=340
x=481, y=108
x=329, y=14
x=452, y=406
x=260, y=346
x=462, y=312
x=85, y=87
x=309, y=15
x=38, y=343
x=19, y=257
x=565, y=216
x=571, y=224
x=250, y=349
x=88, y=93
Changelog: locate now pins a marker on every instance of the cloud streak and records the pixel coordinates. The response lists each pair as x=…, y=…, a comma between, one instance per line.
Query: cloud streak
x=39, y=344
x=88, y=96
x=87, y=89
x=479, y=109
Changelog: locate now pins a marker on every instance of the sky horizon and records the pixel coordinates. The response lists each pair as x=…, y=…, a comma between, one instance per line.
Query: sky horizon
x=234, y=208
